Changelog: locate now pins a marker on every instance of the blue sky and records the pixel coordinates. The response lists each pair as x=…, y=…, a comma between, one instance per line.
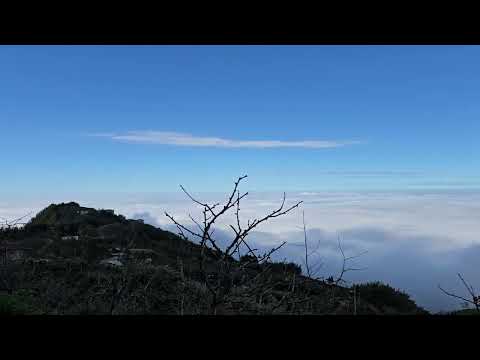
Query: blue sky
x=108, y=126
x=291, y=117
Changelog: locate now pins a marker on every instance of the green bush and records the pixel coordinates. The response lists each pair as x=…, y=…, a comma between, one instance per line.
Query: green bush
x=382, y=296
x=466, y=312
x=12, y=305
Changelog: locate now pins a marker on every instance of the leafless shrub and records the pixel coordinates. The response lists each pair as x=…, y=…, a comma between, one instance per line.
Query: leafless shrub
x=312, y=269
x=9, y=272
x=10, y=224
x=226, y=275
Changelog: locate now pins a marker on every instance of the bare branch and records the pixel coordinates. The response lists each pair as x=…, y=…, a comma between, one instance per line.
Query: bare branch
x=195, y=222
x=344, y=263
x=306, y=245
x=455, y=296
x=13, y=223
x=181, y=226
x=475, y=299
x=198, y=202
x=469, y=287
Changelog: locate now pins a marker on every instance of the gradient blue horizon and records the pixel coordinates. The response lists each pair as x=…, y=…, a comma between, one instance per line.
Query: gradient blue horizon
x=414, y=108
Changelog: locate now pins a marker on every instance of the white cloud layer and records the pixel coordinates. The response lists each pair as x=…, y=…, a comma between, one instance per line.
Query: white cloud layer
x=180, y=139
x=414, y=240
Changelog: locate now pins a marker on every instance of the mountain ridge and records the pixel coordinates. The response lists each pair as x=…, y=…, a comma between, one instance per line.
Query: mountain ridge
x=69, y=244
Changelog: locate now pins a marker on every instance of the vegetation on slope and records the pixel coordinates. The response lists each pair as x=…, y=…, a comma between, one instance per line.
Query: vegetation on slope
x=160, y=273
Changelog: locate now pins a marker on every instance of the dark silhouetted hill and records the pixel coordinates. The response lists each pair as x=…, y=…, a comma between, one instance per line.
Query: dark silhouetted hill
x=73, y=260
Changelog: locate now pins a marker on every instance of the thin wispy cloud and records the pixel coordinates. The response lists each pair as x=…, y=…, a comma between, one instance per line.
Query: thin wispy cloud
x=386, y=173
x=181, y=139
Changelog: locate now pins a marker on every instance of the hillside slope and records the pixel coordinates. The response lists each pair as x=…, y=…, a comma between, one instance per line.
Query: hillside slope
x=79, y=260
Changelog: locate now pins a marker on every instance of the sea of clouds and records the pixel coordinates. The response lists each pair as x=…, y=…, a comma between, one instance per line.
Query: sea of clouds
x=414, y=240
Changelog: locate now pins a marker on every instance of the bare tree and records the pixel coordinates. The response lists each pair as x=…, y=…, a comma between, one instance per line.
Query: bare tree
x=312, y=270
x=474, y=300
x=220, y=280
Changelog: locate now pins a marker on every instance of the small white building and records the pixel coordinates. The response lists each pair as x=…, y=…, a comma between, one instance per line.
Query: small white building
x=84, y=212
x=112, y=261
x=17, y=255
x=71, y=237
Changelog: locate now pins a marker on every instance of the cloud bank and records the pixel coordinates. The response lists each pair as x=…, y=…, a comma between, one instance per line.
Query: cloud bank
x=415, y=240
x=411, y=264
x=181, y=139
